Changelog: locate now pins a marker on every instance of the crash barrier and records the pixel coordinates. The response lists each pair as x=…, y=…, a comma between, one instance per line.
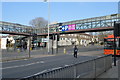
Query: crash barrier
x=87, y=69
x=119, y=69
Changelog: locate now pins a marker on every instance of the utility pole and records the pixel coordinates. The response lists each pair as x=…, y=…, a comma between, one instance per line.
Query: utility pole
x=48, y=26
x=48, y=23
x=114, y=44
x=116, y=34
x=29, y=45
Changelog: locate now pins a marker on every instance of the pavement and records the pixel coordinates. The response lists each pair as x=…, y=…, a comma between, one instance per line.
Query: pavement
x=113, y=73
x=42, y=52
x=14, y=55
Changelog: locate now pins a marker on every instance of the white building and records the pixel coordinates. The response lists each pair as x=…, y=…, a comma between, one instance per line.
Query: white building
x=3, y=41
x=77, y=39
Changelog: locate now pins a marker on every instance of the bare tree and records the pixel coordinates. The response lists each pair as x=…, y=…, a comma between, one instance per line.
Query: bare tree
x=38, y=22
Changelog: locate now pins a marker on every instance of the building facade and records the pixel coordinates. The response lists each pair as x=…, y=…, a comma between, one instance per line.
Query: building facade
x=77, y=39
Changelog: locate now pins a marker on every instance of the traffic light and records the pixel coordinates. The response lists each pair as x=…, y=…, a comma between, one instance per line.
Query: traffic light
x=52, y=37
x=119, y=42
x=58, y=37
x=60, y=24
x=105, y=40
x=8, y=41
x=34, y=36
x=116, y=29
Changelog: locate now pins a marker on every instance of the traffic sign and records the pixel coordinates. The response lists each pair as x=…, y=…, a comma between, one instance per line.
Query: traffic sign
x=60, y=28
x=65, y=28
x=116, y=29
x=44, y=39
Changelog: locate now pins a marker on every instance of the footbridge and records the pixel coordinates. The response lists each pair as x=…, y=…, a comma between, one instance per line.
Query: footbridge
x=94, y=24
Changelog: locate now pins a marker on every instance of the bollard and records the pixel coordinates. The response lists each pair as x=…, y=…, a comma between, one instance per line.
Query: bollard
x=64, y=51
x=18, y=50
x=31, y=48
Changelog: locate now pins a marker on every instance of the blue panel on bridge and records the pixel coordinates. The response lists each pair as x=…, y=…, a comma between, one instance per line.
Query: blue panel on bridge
x=65, y=28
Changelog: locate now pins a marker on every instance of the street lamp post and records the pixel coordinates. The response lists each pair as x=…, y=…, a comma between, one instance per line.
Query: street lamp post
x=119, y=7
x=30, y=34
x=29, y=44
x=48, y=22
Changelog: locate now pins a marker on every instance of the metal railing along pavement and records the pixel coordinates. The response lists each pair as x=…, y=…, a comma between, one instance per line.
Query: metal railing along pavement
x=118, y=69
x=86, y=69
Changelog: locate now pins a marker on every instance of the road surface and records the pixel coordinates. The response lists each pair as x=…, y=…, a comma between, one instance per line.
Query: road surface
x=27, y=67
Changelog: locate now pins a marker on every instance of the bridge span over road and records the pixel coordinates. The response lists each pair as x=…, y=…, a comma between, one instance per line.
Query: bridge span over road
x=101, y=23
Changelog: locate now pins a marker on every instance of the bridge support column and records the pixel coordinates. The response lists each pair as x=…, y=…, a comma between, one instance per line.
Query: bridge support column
x=55, y=43
x=28, y=42
x=29, y=45
x=50, y=44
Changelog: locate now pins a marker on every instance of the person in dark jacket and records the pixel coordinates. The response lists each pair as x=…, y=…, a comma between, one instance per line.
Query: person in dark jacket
x=75, y=51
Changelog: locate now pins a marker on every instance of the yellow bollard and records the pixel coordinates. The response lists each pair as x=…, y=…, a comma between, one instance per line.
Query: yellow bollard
x=30, y=48
x=64, y=51
x=18, y=50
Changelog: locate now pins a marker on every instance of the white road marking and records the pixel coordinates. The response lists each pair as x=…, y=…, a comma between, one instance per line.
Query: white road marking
x=15, y=60
x=23, y=65
x=25, y=59
x=66, y=65
x=42, y=61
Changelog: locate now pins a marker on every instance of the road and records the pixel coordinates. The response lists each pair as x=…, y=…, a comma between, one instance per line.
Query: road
x=27, y=67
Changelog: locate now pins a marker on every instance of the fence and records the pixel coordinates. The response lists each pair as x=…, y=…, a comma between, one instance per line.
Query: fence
x=119, y=69
x=87, y=69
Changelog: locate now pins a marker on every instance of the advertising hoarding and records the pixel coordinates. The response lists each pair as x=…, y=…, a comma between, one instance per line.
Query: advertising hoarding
x=71, y=27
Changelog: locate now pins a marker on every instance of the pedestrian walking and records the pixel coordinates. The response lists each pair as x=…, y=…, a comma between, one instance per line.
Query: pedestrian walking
x=75, y=51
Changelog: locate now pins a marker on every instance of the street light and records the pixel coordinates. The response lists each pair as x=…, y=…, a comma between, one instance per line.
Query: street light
x=48, y=20
x=119, y=7
x=30, y=34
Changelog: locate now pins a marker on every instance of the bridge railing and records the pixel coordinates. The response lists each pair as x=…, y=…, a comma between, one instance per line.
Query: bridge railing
x=84, y=24
x=87, y=69
x=96, y=22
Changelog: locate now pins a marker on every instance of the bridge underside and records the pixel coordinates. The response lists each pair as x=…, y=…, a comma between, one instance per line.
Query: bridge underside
x=80, y=31
x=14, y=33
x=66, y=32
